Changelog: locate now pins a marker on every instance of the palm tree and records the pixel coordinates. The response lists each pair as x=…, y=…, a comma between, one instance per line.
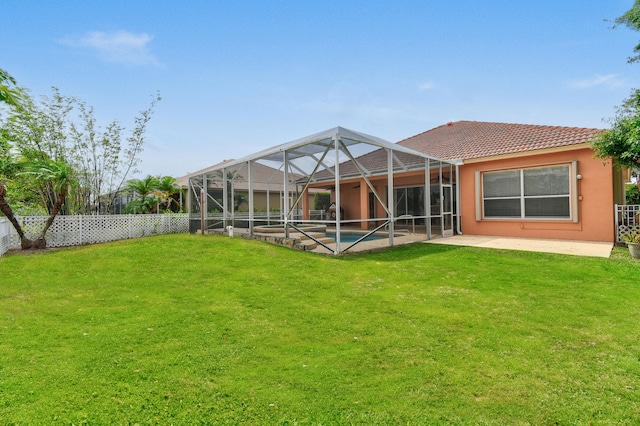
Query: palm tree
x=143, y=190
x=166, y=187
x=6, y=210
x=8, y=167
x=10, y=94
x=59, y=176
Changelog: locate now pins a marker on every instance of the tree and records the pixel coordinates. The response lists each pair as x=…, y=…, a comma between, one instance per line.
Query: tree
x=64, y=128
x=6, y=210
x=10, y=94
x=166, y=188
x=143, y=192
x=632, y=194
x=621, y=143
x=322, y=200
x=631, y=19
x=54, y=154
x=152, y=192
x=59, y=176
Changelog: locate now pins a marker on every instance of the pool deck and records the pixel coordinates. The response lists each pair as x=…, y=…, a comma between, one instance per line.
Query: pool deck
x=568, y=247
x=373, y=244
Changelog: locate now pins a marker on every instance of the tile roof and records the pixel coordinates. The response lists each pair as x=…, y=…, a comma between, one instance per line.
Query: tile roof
x=473, y=139
x=375, y=161
x=452, y=141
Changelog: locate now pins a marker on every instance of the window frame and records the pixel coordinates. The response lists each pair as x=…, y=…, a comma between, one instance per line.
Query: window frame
x=572, y=196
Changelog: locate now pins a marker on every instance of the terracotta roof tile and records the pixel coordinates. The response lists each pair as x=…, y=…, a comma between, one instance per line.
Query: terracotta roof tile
x=472, y=139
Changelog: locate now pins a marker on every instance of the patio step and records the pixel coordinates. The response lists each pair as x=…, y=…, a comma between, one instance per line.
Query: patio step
x=311, y=244
x=315, y=235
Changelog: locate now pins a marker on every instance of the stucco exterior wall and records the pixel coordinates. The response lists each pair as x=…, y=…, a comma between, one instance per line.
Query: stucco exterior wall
x=594, y=191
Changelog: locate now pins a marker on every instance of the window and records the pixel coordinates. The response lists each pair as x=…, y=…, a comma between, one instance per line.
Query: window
x=541, y=192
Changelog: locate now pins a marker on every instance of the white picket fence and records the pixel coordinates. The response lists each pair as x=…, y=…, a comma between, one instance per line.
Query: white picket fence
x=79, y=230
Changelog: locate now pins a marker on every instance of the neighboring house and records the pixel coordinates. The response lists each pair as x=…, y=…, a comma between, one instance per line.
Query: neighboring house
x=266, y=198
x=514, y=180
x=119, y=202
x=267, y=187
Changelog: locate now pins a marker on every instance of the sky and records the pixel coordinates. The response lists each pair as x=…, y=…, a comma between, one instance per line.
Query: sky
x=237, y=77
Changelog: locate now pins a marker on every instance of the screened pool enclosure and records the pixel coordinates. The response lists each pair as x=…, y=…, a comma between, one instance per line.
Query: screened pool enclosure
x=277, y=192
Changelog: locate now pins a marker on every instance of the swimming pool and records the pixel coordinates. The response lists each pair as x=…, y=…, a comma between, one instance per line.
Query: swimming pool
x=352, y=237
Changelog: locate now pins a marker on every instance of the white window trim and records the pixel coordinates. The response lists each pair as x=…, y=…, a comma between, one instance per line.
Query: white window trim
x=573, y=195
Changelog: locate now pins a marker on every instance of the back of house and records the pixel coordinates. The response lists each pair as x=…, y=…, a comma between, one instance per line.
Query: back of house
x=528, y=181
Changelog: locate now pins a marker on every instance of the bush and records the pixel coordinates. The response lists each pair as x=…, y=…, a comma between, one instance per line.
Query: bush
x=632, y=194
x=322, y=200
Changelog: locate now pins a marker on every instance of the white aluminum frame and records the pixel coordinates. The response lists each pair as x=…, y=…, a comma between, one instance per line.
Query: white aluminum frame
x=307, y=161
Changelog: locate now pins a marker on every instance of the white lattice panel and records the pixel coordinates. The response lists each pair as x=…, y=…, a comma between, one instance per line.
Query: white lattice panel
x=5, y=235
x=624, y=230
x=78, y=230
x=628, y=221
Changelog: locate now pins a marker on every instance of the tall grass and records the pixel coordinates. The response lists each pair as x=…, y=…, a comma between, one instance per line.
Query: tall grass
x=188, y=329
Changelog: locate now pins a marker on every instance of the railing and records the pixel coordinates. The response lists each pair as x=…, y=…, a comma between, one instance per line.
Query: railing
x=219, y=220
x=627, y=220
x=404, y=217
x=79, y=230
x=317, y=215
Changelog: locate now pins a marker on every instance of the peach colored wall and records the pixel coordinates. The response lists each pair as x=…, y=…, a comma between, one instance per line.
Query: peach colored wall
x=595, y=202
x=350, y=200
x=352, y=189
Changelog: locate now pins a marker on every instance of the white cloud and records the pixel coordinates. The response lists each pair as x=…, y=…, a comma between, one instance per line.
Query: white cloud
x=426, y=86
x=609, y=80
x=118, y=46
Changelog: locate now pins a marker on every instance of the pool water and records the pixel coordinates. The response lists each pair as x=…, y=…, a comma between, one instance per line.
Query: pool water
x=352, y=237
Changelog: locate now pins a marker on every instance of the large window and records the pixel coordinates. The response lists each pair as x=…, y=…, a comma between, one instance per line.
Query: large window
x=540, y=192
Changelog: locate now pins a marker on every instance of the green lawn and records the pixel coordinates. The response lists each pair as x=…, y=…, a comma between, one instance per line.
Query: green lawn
x=187, y=329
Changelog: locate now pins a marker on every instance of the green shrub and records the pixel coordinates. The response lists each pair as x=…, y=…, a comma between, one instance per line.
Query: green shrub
x=632, y=194
x=322, y=200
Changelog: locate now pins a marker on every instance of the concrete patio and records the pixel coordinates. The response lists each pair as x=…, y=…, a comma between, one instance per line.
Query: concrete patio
x=575, y=248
